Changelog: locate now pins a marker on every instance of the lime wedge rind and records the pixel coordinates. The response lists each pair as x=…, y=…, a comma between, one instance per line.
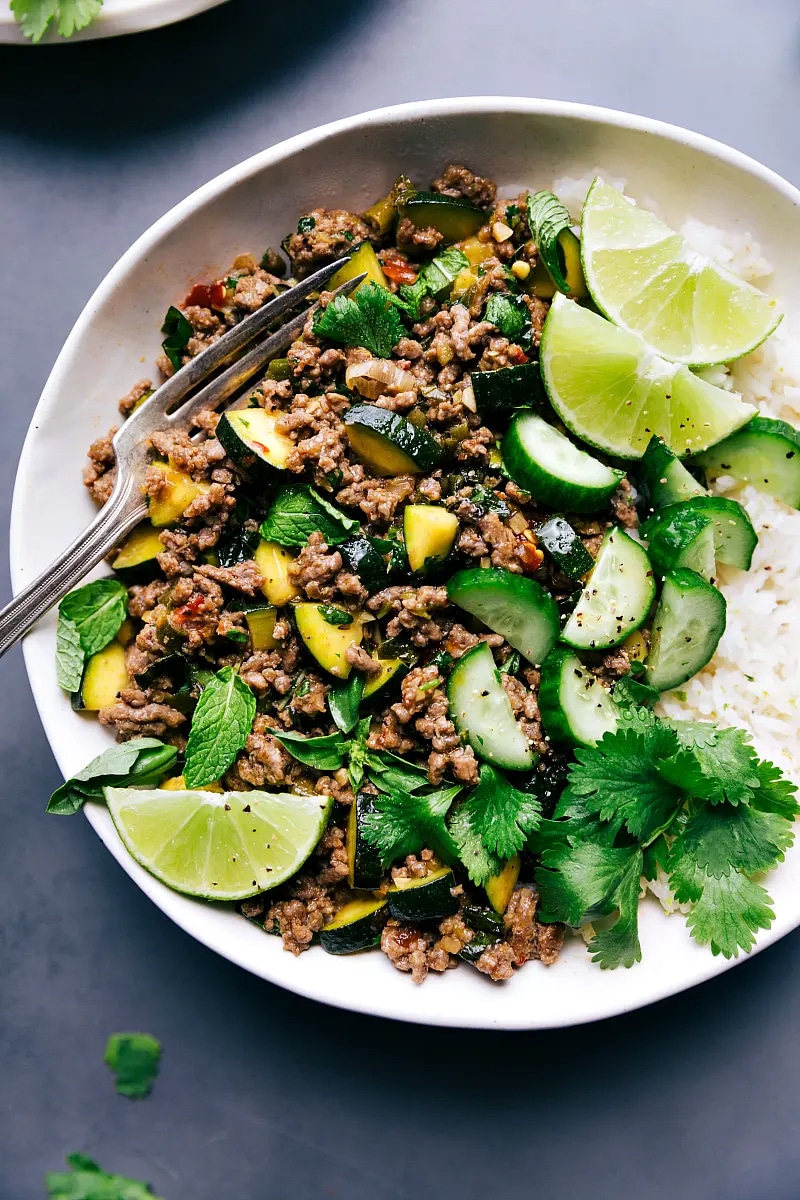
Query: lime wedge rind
x=218, y=845
x=620, y=244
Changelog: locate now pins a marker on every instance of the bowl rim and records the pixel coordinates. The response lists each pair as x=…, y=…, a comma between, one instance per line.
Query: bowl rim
x=127, y=16
x=309, y=986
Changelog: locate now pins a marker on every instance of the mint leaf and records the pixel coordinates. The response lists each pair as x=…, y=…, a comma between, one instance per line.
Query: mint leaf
x=298, y=511
x=69, y=655
x=134, y=1059
x=368, y=319
x=97, y=611
x=34, y=16
x=409, y=297
x=404, y=824
x=344, y=702
x=511, y=315
x=141, y=762
x=178, y=330
x=87, y=1181
x=322, y=753
x=441, y=271
x=501, y=816
x=220, y=727
x=547, y=220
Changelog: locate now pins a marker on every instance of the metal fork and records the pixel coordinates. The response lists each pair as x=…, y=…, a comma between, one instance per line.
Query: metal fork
x=173, y=406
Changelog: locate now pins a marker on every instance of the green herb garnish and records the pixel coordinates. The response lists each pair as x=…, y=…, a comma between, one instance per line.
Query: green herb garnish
x=34, y=16
x=511, y=316
x=298, y=511
x=367, y=319
x=134, y=1059
x=141, y=762
x=334, y=615
x=499, y=817
x=220, y=727
x=88, y=619
x=547, y=219
x=306, y=224
x=344, y=702
x=178, y=330
x=87, y=1181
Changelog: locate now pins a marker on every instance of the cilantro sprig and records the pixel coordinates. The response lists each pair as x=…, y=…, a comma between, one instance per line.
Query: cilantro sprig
x=368, y=319
x=134, y=1059
x=69, y=16
x=85, y=1180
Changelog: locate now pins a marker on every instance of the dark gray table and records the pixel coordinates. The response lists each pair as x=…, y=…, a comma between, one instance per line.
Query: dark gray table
x=264, y=1096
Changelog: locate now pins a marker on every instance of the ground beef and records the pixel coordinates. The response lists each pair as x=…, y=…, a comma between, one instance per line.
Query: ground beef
x=416, y=242
x=198, y=459
x=415, y=866
x=315, y=569
x=436, y=727
x=527, y=937
x=268, y=670
x=613, y=666
x=242, y=577
x=312, y=699
x=378, y=499
x=315, y=423
x=623, y=506
x=412, y=608
x=101, y=473
x=497, y=962
x=411, y=949
x=134, y=715
x=322, y=235
x=357, y=657
x=254, y=290
x=263, y=760
x=417, y=692
x=460, y=181
x=297, y=921
x=131, y=399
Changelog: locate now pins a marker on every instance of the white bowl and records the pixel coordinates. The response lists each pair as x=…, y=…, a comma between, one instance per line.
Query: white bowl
x=115, y=18
x=347, y=164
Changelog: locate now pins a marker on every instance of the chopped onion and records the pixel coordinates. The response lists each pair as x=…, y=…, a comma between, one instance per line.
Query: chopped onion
x=468, y=398
x=517, y=523
x=379, y=377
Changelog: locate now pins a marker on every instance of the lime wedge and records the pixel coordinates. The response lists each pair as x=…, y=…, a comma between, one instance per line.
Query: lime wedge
x=647, y=279
x=218, y=845
x=612, y=391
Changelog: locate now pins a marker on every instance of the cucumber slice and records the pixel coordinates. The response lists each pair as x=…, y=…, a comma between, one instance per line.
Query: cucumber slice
x=518, y=608
x=666, y=478
x=508, y=388
x=357, y=926
x=249, y=436
x=388, y=443
x=617, y=597
x=556, y=473
x=136, y=559
x=481, y=712
x=426, y=899
x=429, y=533
x=365, y=869
x=681, y=537
x=765, y=454
x=557, y=537
x=735, y=539
x=453, y=216
x=687, y=627
x=574, y=705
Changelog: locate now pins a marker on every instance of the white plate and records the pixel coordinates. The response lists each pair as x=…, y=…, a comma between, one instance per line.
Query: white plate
x=116, y=17
x=348, y=164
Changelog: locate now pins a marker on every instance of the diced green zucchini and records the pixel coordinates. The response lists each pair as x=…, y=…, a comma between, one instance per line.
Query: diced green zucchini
x=484, y=920
x=273, y=562
x=362, y=259
x=365, y=870
x=261, y=624
x=179, y=492
x=104, y=677
x=500, y=888
x=518, y=608
x=391, y=668
x=328, y=643
x=388, y=443
x=687, y=627
x=362, y=557
x=616, y=598
x=542, y=284
x=764, y=453
x=508, y=388
x=481, y=712
x=471, y=951
x=136, y=559
x=357, y=926
x=425, y=899
x=454, y=217
x=556, y=473
x=429, y=533
x=249, y=436
x=575, y=708
x=679, y=536
x=173, y=666
x=558, y=539
x=665, y=477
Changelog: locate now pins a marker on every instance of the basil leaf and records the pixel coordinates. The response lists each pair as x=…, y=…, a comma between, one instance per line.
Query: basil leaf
x=511, y=316
x=97, y=610
x=334, y=615
x=345, y=700
x=389, y=773
x=298, y=511
x=142, y=762
x=441, y=271
x=178, y=330
x=547, y=219
x=69, y=654
x=220, y=726
x=322, y=753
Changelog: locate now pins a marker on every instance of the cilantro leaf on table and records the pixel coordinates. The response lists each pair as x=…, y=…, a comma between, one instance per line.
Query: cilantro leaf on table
x=179, y=331
x=498, y=814
x=403, y=824
x=134, y=1059
x=368, y=319
x=326, y=753
x=87, y=1181
x=716, y=769
x=298, y=511
x=220, y=727
x=34, y=16
x=88, y=619
x=141, y=762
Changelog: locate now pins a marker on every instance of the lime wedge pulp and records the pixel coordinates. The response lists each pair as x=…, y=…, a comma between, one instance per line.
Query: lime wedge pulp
x=218, y=845
x=609, y=388
x=646, y=278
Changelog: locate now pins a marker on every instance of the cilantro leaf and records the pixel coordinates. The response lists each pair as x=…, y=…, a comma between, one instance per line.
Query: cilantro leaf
x=718, y=769
x=618, y=946
x=220, y=727
x=359, y=754
x=511, y=315
x=178, y=330
x=403, y=824
x=368, y=319
x=775, y=793
x=97, y=611
x=141, y=762
x=630, y=693
x=298, y=511
x=322, y=753
x=500, y=815
x=69, y=654
x=722, y=837
x=344, y=702
x=87, y=1181
x=481, y=864
x=34, y=16
x=726, y=912
x=134, y=1058
x=577, y=883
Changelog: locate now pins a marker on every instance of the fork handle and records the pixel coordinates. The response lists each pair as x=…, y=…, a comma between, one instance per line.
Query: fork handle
x=124, y=509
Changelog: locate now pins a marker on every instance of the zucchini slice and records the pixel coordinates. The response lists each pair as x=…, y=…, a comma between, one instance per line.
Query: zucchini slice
x=481, y=712
x=500, y=888
x=553, y=470
x=388, y=443
x=363, y=259
x=357, y=926
x=391, y=668
x=679, y=536
x=575, y=707
x=249, y=436
x=687, y=627
x=453, y=216
x=328, y=643
x=665, y=477
x=136, y=559
x=425, y=899
x=617, y=597
x=362, y=557
x=429, y=534
x=558, y=539
x=178, y=494
x=261, y=623
x=518, y=608
x=508, y=388
x=764, y=453
x=273, y=562
x=104, y=677
x=542, y=284
x=735, y=539
x=365, y=869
